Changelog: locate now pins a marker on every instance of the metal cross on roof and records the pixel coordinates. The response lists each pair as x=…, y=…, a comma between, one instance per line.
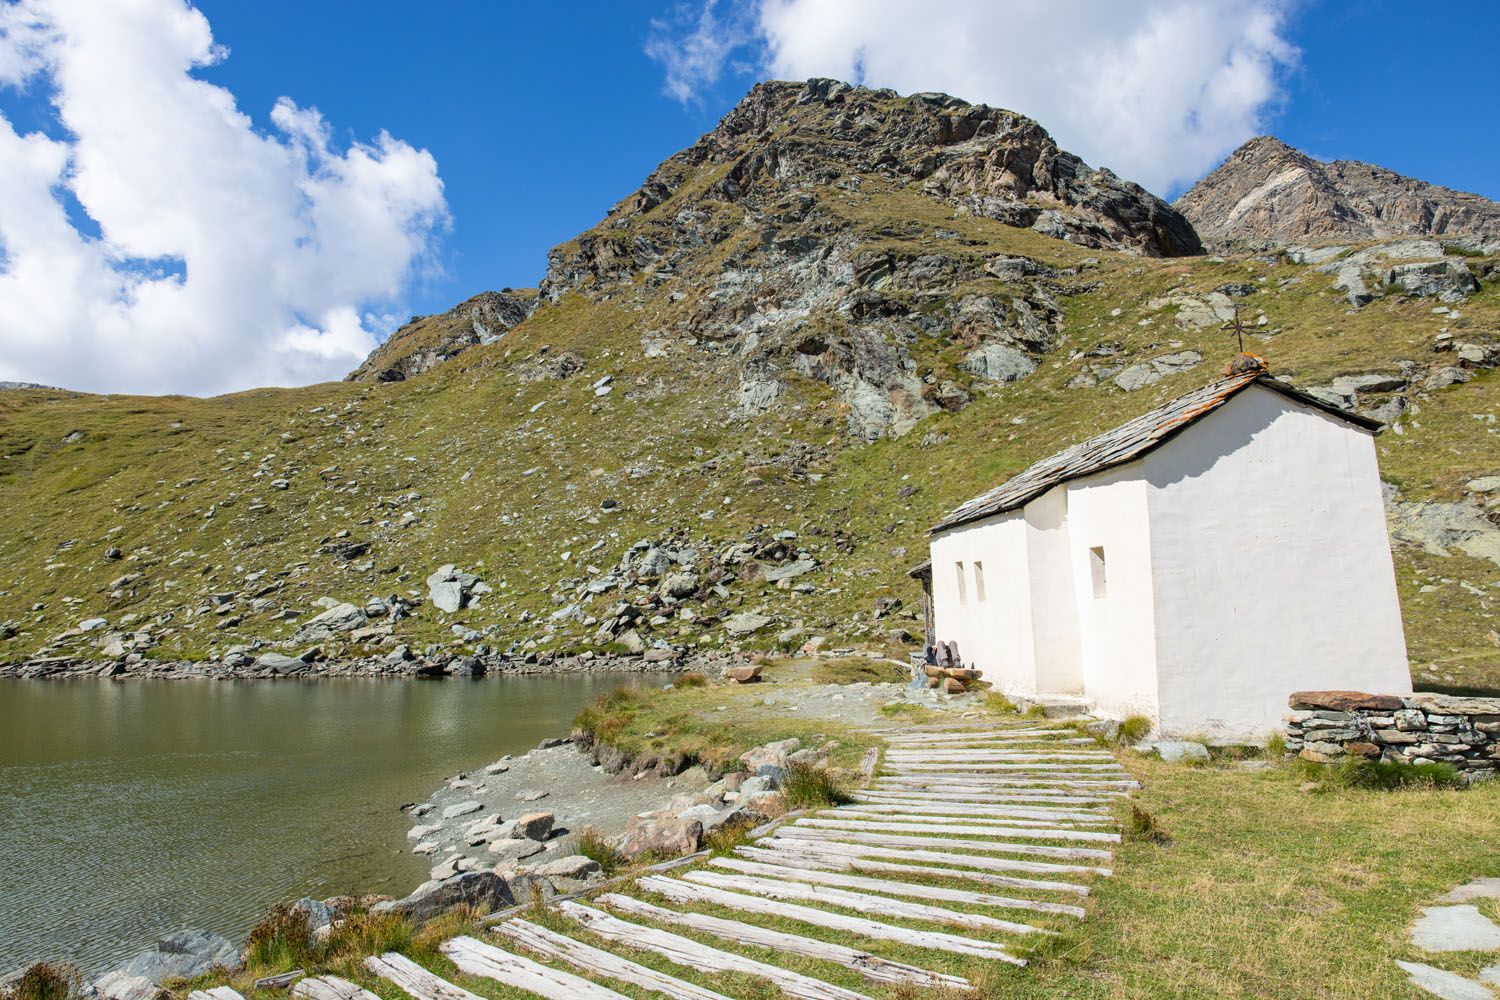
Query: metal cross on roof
x=1236, y=327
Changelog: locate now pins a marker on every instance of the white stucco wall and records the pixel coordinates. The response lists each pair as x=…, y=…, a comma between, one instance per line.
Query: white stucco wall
x=1054, y=601
x=994, y=635
x=1273, y=569
x=1116, y=633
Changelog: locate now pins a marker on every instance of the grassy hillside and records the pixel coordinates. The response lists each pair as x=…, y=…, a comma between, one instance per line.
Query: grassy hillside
x=238, y=512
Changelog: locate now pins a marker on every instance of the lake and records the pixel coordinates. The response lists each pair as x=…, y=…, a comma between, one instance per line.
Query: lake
x=134, y=809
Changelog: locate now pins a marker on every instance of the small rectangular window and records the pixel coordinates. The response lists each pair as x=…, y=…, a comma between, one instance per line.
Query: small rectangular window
x=979, y=581
x=1096, y=570
x=963, y=597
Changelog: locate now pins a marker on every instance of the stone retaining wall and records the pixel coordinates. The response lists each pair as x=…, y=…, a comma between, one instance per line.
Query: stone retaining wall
x=1325, y=726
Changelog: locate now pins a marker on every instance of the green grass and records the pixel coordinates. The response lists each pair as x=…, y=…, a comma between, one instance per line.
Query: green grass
x=1135, y=728
x=809, y=787
x=857, y=670
x=593, y=844
x=44, y=981
x=1379, y=775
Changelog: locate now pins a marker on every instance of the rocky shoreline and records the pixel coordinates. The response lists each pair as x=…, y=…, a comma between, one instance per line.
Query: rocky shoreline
x=275, y=666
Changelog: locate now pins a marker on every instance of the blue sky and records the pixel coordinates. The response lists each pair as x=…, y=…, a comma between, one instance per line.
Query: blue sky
x=538, y=117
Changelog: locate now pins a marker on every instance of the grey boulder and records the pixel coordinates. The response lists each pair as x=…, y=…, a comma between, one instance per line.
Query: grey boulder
x=483, y=890
x=183, y=955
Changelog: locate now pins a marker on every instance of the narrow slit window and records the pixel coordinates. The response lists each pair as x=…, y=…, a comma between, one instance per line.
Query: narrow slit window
x=979, y=582
x=963, y=596
x=1097, y=571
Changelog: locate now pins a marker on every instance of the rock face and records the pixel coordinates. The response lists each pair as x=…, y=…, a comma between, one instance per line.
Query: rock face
x=183, y=955
x=428, y=341
x=1268, y=192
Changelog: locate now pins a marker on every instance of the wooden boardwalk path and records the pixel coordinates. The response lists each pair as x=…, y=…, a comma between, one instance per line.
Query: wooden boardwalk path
x=970, y=843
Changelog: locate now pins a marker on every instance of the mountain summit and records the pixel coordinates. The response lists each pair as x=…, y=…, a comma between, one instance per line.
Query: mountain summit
x=1268, y=191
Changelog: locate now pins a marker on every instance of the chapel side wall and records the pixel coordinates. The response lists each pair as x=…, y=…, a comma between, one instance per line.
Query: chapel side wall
x=994, y=634
x=1117, y=636
x=1273, y=566
x=1054, y=606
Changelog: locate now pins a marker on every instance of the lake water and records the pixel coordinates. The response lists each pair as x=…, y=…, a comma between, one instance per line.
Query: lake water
x=134, y=809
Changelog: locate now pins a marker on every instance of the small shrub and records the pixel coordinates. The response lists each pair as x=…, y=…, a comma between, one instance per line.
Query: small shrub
x=283, y=940
x=45, y=981
x=1275, y=745
x=807, y=787
x=364, y=933
x=726, y=838
x=1141, y=826
x=593, y=844
x=1135, y=728
x=691, y=679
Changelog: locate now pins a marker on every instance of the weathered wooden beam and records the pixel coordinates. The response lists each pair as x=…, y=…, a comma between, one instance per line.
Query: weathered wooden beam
x=817, y=860
x=1021, y=833
x=878, y=969
x=686, y=952
x=983, y=862
x=414, y=980
x=331, y=988
x=217, y=993
x=476, y=958
x=687, y=892
x=969, y=812
x=860, y=902
x=597, y=962
x=895, y=888
x=902, y=840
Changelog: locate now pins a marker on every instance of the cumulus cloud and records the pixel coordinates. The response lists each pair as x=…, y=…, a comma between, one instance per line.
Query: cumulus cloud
x=1157, y=90
x=160, y=242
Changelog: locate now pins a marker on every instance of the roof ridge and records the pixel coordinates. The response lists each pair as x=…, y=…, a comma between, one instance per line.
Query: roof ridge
x=1127, y=442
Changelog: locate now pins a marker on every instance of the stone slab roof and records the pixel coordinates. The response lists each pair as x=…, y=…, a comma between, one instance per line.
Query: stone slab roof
x=1128, y=442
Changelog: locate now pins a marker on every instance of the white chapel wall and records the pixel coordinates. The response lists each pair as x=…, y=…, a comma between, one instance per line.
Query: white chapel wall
x=993, y=630
x=1272, y=564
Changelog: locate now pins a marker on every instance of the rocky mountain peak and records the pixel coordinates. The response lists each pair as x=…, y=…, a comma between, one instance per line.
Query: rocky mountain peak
x=1268, y=192
x=427, y=341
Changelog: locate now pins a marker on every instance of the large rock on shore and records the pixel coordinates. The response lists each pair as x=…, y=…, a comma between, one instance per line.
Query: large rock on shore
x=183, y=955
x=482, y=890
x=667, y=836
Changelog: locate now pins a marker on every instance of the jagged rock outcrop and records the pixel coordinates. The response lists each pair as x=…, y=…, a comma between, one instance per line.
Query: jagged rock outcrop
x=428, y=341
x=1268, y=192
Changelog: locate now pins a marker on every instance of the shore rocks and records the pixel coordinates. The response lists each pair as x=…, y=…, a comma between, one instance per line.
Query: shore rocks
x=183, y=955
x=535, y=826
x=485, y=891
x=337, y=620
x=667, y=836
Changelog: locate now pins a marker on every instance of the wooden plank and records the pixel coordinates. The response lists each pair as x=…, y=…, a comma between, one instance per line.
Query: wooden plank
x=217, y=993
x=1040, y=797
x=970, y=812
x=687, y=892
x=1081, y=769
x=980, y=861
x=902, y=840
x=476, y=958
x=995, y=753
x=280, y=981
x=861, y=902
x=331, y=988
x=943, y=780
x=816, y=860
x=414, y=980
x=686, y=952
x=878, y=969
x=899, y=815
x=598, y=962
x=1023, y=833
x=894, y=888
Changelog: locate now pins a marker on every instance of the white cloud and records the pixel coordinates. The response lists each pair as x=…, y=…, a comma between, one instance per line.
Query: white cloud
x=225, y=257
x=1157, y=90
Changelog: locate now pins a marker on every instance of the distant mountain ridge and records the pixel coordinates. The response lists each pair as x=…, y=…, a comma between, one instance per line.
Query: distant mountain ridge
x=1267, y=191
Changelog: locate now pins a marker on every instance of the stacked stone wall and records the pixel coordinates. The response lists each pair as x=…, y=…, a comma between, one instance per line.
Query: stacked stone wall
x=1325, y=726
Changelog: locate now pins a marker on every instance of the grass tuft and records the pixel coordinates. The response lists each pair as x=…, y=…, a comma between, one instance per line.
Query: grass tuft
x=45, y=981
x=808, y=787
x=282, y=940
x=1141, y=827
x=1135, y=728
x=691, y=679
x=1275, y=745
x=594, y=845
